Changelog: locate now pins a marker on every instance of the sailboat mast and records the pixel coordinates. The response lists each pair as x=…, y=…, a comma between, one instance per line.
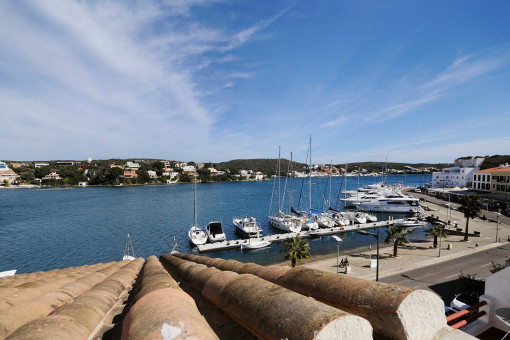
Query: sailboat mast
x=330, y=172
x=291, y=182
x=195, y=199
x=345, y=181
x=279, y=194
x=310, y=177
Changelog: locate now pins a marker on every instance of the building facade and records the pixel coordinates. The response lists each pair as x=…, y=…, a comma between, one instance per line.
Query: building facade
x=494, y=180
x=460, y=175
x=6, y=174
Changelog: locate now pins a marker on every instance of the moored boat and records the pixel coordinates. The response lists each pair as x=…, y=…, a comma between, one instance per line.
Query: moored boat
x=248, y=226
x=129, y=252
x=285, y=223
x=196, y=234
x=411, y=222
x=214, y=231
x=255, y=243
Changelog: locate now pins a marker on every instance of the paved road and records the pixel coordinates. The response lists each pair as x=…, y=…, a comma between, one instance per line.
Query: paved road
x=443, y=277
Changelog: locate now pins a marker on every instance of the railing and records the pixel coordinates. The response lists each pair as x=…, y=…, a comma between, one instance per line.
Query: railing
x=466, y=311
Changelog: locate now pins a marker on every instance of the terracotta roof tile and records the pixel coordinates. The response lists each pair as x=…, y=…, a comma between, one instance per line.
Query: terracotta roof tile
x=189, y=296
x=491, y=170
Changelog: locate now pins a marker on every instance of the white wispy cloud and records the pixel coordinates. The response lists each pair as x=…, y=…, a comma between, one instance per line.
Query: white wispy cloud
x=418, y=93
x=242, y=37
x=110, y=73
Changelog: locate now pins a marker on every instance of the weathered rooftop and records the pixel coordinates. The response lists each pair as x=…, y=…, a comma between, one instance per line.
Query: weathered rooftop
x=184, y=296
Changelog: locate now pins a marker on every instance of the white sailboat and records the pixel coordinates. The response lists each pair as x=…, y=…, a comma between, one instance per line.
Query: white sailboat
x=282, y=221
x=196, y=234
x=129, y=252
x=310, y=219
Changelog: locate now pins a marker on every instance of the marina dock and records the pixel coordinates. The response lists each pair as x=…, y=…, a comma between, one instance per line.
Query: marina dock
x=232, y=244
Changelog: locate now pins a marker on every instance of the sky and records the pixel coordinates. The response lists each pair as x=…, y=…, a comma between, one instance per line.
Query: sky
x=211, y=81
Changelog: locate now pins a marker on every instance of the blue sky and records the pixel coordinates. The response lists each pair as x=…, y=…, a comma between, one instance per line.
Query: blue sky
x=407, y=81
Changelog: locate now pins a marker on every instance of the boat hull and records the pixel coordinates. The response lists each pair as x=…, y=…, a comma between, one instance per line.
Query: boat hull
x=197, y=236
x=255, y=244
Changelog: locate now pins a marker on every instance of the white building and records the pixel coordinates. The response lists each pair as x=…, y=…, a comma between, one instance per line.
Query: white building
x=132, y=165
x=215, y=172
x=152, y=174
x=188, y=169
x=6, y=174
x=40, y=165
x=52, y=175
x=460, y=175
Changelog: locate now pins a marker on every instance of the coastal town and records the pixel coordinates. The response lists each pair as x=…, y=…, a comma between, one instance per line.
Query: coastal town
x=442, y=200
x=277, y=170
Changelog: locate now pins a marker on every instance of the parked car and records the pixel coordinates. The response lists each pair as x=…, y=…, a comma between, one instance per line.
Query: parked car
x=459, y=303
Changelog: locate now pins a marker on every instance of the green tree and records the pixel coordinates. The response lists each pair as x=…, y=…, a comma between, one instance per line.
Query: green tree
x=158, y=167
x=471, y=287
x=114, y=174
x=471, y=205
x=183, y=178
x=296, y=249
x=42, y=171
x=396, y=235
x=143, y=176
x=437, y=231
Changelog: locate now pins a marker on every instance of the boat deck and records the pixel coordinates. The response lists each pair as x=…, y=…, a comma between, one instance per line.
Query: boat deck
x=232, y=244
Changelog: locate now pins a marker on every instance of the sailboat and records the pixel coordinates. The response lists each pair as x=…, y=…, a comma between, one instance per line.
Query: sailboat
x=282, y=221
x=129, y=252
x=196, y=234
x=311, y=217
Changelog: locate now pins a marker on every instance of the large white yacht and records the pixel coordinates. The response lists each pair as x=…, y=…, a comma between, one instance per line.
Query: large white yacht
x=395, y=202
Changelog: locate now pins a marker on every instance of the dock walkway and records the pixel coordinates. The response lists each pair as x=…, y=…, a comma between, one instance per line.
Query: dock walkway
x=232, y=244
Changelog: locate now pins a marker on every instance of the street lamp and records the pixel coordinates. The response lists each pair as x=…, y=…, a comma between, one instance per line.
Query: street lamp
x=338, y=240
x=440, y=238
x=363, y=232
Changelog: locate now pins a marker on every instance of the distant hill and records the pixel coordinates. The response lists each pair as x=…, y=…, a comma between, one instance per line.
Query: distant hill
x=268, y=166
x=494, y=161
x=381, y=166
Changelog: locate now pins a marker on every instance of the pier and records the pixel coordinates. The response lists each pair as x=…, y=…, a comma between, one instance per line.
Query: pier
x=232, y=244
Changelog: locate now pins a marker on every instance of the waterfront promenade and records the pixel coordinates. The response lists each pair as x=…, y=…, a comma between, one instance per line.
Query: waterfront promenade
x=421, y=254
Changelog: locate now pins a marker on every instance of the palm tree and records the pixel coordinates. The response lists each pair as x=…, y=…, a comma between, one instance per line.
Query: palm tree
x=396, y=235
x=471, y=205
x=436, y=231
x=296, y=248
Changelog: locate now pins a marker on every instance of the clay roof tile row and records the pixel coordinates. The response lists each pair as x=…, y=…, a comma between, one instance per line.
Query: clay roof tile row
x=186, y=296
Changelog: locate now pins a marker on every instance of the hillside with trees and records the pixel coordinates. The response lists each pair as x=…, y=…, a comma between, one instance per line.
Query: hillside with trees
x=494, y=161
x=111, y=171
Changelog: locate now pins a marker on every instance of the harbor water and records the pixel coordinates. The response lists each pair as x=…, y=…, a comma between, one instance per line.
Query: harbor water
x=48, y=228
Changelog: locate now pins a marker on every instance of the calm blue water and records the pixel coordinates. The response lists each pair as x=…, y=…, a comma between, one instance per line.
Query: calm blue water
x=43, y=229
